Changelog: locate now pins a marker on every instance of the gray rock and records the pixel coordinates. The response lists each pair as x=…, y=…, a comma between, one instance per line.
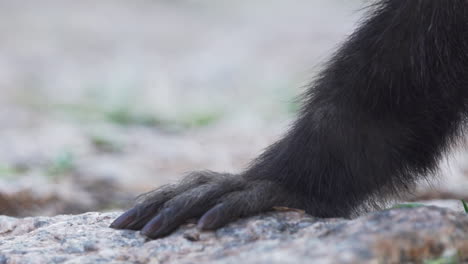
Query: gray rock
x=404, y=235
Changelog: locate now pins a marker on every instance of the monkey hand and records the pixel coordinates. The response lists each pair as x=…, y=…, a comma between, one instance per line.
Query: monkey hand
x=214, y=198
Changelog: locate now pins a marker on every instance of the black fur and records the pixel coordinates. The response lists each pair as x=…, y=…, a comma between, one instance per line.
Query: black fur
x=388, y=105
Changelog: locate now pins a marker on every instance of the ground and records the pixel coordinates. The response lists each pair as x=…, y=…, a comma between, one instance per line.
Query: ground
x=425, y=234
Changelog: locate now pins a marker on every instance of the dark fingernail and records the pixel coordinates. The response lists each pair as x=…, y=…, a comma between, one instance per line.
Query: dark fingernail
x=156, y=225
x=125, y=219
x=209, y=219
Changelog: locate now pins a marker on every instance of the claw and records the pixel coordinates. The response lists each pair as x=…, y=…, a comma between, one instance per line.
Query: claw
x=214, y=218
x=125, y=219
x=158, y=226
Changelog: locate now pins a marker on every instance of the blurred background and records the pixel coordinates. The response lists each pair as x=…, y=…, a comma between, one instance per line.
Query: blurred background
x=103, y=100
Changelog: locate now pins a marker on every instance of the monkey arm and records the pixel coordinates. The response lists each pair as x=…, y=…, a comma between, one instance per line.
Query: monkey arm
x=380, y=115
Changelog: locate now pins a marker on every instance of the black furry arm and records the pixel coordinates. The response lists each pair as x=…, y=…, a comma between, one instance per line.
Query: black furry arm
x=379, y=116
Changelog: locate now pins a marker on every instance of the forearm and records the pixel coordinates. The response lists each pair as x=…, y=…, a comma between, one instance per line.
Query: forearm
x=370, y=127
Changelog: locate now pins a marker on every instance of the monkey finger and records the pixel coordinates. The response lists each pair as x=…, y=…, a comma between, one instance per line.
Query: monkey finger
x=124, y=219
x=215, y=218
x=168, y=220
x=150, y=203
x=187, y=205
x=260, y=197
x=138, y=216
x=160, y=225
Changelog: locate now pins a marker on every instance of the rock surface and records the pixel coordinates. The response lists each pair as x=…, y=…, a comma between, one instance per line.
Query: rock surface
x=388, y=236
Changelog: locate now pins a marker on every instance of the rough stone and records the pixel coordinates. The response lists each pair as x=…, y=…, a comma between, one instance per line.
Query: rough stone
x=404, y=235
